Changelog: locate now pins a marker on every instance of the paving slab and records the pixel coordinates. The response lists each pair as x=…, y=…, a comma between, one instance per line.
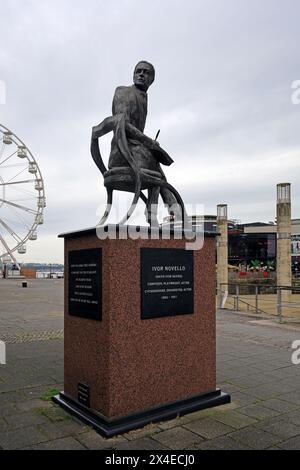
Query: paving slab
x=208, y=428
x=22, y=437
x=222, y=443
x=22, y=420
x=256, y=438
x=146, y=443
x=290, y=444
x=258, y=411
x=178, y=438
x=234, y=419
x=291, y=397
x=60, y=444
x=93, y=441
x=280, y=405
x=282, y=428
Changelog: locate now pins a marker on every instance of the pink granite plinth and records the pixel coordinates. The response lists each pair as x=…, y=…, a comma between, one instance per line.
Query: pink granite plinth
x=131, y=365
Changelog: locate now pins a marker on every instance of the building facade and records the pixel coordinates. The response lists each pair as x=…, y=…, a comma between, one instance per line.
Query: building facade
x=252, y=245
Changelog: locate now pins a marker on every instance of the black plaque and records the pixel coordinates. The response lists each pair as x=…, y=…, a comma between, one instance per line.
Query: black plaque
x=167, y=282
x=85, y=283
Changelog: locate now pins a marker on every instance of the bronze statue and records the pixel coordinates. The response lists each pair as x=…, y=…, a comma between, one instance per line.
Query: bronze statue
x=134, y=162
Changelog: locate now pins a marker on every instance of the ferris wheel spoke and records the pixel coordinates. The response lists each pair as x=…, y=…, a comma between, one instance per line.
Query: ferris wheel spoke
x=18, y=192
x=11, y=231
x=29, y=192
x=24, y=223
x=28, y=198
x=20, y=172
x=7, y=158
x=13, y=165
x=17, y=182
x=18, y=206
x=22, y=196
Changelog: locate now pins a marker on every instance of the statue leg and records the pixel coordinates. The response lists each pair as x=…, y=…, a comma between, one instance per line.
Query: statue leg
x=108, y=206
x=171, y=202
x=152, y=205
x=134, y=202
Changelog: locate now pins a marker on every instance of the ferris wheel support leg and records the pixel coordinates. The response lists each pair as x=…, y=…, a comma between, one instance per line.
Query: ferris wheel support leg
x=9, y=251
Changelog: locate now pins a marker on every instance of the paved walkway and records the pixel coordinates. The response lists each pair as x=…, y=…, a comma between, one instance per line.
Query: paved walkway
x=254, y=365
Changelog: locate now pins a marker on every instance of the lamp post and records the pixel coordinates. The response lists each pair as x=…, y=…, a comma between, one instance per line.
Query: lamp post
x=222, y=252
x=284, y=229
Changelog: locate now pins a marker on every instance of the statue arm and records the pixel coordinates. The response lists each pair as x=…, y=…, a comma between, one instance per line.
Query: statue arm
x=133, y=133
x=116, y=124
x=104, y=127
x=109, y=124
x=160, y=154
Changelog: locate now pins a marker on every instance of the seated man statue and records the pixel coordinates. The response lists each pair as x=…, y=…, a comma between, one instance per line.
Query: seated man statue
x=129, y=108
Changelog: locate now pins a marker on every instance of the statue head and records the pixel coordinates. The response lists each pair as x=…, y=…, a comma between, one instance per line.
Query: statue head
x=144, y=74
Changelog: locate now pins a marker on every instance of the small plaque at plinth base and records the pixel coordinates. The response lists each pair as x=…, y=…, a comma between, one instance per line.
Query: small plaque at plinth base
x=113, y=427
x=140, y=328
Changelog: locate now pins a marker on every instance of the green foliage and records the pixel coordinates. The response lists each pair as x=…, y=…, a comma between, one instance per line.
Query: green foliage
x=42, y=411
x=255, y=264
x=47, y=396
x=271, y=265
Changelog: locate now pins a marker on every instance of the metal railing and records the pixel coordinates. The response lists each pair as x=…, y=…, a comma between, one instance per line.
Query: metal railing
x=282, y=303
x=256, y=299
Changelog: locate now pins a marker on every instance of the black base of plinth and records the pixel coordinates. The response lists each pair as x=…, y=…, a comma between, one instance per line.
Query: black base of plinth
x=111, y=427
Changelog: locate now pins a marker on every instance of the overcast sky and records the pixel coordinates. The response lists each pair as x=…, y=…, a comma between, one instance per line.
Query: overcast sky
x=222, y=98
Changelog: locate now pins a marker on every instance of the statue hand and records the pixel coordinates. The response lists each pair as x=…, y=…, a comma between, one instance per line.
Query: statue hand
x=155, y=144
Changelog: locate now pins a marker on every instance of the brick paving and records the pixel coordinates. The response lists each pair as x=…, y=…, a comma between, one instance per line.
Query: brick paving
x=254, y=366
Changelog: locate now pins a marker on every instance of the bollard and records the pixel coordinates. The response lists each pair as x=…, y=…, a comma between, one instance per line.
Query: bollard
x=237, y=293
x=256, y=299
x=279, y=305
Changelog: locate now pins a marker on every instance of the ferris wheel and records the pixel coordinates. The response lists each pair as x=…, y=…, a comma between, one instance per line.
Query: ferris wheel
x=22, y=196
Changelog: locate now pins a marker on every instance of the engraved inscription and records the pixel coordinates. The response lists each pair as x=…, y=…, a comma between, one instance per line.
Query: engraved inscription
x=85, y=283
x=167, y=282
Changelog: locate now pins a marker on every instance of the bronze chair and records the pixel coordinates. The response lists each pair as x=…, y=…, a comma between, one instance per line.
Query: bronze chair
x=129, y=178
